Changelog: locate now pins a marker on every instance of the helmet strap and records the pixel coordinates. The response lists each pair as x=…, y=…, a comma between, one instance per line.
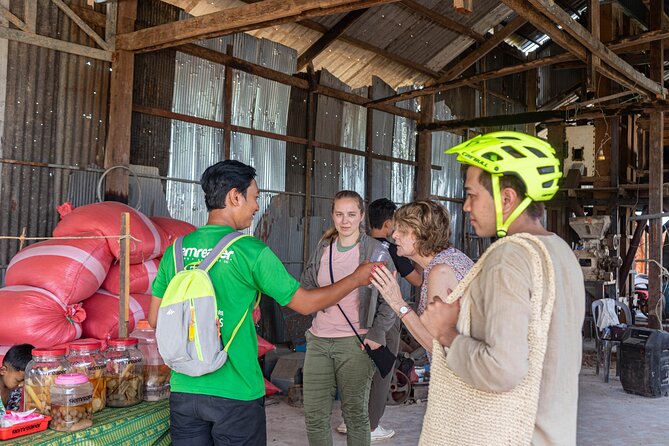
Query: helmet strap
x=501, y=225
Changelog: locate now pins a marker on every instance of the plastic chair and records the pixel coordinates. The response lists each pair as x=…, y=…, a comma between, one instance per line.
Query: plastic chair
x=605, y=345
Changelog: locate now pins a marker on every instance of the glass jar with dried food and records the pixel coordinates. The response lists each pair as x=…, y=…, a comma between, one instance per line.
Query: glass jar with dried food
x=41, y=371
x=156, y=373
x=86, y=359
x=124, y=373
x=71, y=403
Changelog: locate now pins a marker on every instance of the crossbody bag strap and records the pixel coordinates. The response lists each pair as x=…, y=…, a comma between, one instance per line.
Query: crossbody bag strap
x=241, y=321
x=340, y=308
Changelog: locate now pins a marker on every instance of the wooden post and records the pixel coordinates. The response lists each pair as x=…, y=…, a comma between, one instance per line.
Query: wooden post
x=656, y=149
x=117, y=151
x=227, y=107
x=309, y=166
x=424, y=150
x=124, y=261
x=593, y=61
x=532, y=87
x=369, y=132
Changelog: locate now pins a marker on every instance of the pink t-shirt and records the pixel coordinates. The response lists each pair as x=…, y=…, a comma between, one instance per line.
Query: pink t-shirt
x=330, y=323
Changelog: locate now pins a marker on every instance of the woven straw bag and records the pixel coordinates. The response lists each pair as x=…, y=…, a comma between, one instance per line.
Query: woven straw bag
x=461, y=415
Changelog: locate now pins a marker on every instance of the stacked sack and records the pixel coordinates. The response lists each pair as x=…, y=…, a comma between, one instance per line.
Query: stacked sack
x=52, y=294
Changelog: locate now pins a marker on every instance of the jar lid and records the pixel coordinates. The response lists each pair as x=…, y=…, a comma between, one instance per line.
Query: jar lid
x=120, y=342
x=68, y=379
x=143, y=325
x=48, y=351
x=90, y=345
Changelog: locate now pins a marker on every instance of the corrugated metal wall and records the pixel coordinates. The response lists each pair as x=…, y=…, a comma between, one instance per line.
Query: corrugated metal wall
x=56, y=107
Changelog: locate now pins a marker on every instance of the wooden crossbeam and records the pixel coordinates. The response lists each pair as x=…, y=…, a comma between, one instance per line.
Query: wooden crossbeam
x=54, y=44
x=229, y=21
x=598, y=49
x=330, y=36
x=81, y=24
x=7, y=14
x=490, y=44
x=443, y=20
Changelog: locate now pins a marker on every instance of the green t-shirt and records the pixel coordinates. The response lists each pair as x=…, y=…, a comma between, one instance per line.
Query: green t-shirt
x=237, y=277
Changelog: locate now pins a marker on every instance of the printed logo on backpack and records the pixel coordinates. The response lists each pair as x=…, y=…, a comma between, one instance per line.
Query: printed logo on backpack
x=188, y=331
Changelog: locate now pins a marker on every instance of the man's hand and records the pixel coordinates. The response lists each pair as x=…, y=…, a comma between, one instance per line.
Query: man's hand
x=363, y=273
x=373, y=345
x=440, y=319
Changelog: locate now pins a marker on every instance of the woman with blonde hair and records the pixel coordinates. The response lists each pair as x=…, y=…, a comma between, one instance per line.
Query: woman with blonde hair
x=335, y=360
x=422, y=233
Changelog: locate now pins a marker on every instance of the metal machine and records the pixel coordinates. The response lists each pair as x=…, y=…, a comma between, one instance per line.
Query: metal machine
x=592, y=250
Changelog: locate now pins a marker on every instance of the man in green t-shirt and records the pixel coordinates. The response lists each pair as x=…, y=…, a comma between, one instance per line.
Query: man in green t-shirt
x=226, y=407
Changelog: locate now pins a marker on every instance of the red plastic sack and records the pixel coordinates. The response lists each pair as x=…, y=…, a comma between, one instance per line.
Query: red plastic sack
x=105, y=218
x=270, y=389
x=173, y=228
x=102, y=311
x=140, y=280
x=35, y=316
x=264, y=346
x=71, y=269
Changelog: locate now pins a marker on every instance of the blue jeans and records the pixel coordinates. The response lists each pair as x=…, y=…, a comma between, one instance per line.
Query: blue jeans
x=203, y=420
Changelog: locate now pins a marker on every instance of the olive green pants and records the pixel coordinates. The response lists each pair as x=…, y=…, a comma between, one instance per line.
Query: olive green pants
x=331, y=364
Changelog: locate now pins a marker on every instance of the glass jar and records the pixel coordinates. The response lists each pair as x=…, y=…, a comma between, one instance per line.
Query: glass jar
x=40, y=373
x=71, y=403
x=124, y=373
x=86, y=359
x=156, y=373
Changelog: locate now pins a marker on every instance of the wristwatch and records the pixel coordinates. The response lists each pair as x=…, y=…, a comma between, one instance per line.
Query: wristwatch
x=404, y=310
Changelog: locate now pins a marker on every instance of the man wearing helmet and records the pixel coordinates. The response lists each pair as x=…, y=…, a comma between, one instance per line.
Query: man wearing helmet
x=509, y=175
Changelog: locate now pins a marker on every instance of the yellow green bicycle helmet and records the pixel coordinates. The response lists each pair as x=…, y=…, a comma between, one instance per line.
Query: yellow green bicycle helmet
x=530, y=159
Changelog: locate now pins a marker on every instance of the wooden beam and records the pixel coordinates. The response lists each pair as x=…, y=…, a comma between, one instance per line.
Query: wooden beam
x=424, y=150
x=7, y=14
x=487, y=46
x=560, y=17
x=239, y=19
x=442, y=20
x=464, y=6
x=544, y=116
x=109, y=23
x=117, y=149
x=227, y=107
x=81, y=24
x=593, y=61
x=656, y=177
x=54, y=44
x=330, y=36
x=30, y=14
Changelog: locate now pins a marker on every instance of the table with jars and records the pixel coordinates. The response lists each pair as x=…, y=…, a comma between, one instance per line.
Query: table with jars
x=120, y=395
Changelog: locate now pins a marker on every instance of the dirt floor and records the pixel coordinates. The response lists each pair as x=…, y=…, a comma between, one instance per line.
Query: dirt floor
x=607, y=415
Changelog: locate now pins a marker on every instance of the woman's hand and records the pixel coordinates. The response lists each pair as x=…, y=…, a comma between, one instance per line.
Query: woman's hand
x=373, y=345
x=363, y=272
x=385, y=282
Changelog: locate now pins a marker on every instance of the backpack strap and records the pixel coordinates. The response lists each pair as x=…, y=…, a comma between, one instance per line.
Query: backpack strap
x=178, y=254
x=219, y=249
x=241, y=321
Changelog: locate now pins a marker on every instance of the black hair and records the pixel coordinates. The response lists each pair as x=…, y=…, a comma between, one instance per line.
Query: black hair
x=18, y=356
x=221, y=178
x=379, y=211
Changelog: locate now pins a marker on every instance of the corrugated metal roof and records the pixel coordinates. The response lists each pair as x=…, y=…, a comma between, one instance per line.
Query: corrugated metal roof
x=392, y=27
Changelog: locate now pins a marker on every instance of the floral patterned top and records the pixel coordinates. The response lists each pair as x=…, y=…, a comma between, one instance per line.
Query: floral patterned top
x=452, y=257
x=13, y=403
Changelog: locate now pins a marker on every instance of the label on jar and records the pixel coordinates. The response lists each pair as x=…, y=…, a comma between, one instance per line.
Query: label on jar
x=134, y=361
x=51, y=372
x=81, y=400
x=93, y=368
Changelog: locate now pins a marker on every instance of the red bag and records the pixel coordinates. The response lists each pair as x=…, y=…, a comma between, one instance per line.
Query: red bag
x=35, y=316
x=71, y=269
x=264, y=346
x=140, y=280
x=102, y=311
x=173, y=228
x=105, y=218
x=270, y=389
